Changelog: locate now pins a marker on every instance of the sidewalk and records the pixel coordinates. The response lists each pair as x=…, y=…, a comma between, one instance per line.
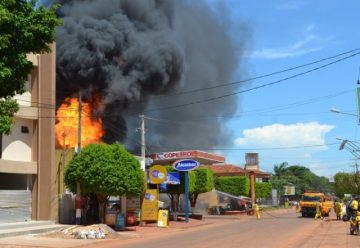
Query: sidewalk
x=149, y=231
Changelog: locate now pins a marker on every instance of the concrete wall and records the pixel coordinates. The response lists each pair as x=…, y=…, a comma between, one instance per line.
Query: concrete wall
x=18, y=145
x=44, y=194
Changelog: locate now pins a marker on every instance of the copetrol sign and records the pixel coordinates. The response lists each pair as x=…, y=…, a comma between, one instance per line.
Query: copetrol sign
x=185, y=165
x=175, y=155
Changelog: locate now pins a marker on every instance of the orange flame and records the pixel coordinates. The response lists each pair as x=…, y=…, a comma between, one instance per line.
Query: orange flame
x=66, y=128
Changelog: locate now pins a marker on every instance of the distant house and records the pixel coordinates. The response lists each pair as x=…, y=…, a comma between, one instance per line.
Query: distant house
x=234, y=170
x=251, y=169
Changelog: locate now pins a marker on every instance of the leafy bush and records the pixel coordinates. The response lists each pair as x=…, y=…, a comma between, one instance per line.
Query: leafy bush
x=105, y=170
x=238, y=185
x=262, y=190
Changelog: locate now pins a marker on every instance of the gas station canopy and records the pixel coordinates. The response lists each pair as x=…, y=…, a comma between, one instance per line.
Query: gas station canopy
x=202, y=157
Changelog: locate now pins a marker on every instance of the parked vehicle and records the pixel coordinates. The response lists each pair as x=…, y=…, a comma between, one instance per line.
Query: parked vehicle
x=309, y=200
x=346, y=217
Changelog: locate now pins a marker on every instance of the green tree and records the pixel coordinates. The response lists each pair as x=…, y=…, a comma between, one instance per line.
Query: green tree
x=262, y=190
x=280, y=170
x=301, y=177
x=200, y=181
x=8, y=108
x=203, y=182
x=346, y=183
x=105, y=170
x=237, y=186
x=24, y=29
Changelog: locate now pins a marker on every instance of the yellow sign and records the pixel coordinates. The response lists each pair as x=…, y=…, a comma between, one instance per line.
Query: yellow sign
x=163, y=218
x=289, y=190
x=157, y=174
x=149, y=209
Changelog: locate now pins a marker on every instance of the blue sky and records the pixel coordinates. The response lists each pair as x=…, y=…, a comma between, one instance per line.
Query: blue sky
x=284, y=34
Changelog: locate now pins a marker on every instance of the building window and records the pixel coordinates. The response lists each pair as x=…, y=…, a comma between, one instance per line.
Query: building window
x=24, y=129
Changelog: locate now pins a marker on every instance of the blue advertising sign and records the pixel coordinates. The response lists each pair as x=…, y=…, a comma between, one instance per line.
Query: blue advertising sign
x=185, y=165
x=172, y=178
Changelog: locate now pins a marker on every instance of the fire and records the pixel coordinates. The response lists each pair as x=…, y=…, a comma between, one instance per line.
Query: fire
x=66, y=128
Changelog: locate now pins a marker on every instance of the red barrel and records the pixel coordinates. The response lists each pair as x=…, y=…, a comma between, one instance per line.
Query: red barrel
x=130, y=218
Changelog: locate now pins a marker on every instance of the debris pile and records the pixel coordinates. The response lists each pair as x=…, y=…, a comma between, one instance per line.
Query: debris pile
x=97, y=231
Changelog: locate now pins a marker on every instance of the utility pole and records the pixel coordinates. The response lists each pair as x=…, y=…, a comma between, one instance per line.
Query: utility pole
x=79, y=123
x=142, y=130
x=143, y=166
x=78, y=191
x=62, y=166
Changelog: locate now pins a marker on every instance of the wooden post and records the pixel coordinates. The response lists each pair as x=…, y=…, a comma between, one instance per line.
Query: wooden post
x=252, y=186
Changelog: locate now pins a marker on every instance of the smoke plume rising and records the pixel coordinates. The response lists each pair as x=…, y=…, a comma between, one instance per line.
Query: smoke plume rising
x=138, y=54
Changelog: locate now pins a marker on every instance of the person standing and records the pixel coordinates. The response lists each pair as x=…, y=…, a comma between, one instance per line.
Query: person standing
x=257, y=211
x=286, y=202
x=338, y=210
x=354, y=205
x=318, y=211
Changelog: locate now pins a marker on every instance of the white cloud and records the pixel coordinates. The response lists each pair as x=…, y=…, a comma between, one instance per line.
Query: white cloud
x=305, y=141
x=279, y=135
x=280, y=53
x=307, y=44
x=307, y=155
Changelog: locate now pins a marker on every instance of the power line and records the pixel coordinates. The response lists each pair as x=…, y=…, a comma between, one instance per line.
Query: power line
x=264, y=75
x=249, y=149
x=243, y=114
x=254, y=88
x=262, y=111
x=51, y=106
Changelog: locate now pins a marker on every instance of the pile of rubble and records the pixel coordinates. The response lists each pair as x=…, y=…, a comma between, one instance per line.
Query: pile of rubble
x=97, y=231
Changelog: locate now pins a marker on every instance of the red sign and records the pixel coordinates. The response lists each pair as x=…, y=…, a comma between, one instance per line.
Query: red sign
x=175, y=155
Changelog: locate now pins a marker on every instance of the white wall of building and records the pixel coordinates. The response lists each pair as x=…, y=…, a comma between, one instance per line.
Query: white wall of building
x=18, y=145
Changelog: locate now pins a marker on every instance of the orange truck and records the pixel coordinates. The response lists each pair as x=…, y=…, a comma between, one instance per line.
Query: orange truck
x=309, y=200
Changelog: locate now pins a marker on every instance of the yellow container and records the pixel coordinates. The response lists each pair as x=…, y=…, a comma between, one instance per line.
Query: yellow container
x=163, y=218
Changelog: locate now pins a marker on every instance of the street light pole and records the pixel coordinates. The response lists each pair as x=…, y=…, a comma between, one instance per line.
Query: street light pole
x=353, y=148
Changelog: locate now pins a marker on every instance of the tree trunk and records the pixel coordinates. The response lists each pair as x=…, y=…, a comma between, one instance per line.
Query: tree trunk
x=193, y=198
x=102, y=207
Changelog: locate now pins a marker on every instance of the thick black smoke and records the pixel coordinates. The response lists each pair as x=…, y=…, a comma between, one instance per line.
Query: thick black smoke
x=133, y=52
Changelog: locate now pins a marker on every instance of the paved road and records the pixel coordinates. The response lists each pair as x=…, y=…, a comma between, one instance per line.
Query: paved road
x=282, y=228
x=275, y=229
